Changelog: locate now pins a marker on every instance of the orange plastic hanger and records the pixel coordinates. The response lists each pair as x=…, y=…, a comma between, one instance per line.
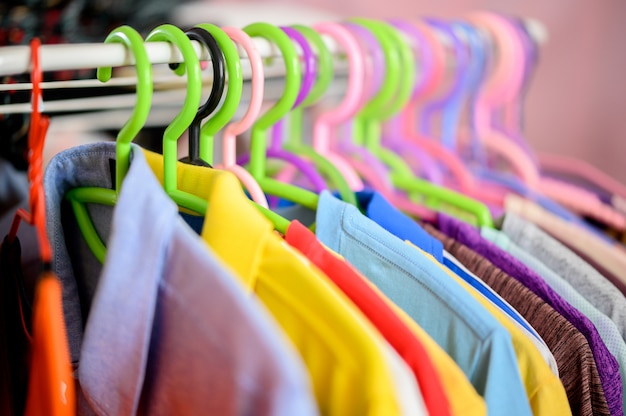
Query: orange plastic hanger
x=51, y=389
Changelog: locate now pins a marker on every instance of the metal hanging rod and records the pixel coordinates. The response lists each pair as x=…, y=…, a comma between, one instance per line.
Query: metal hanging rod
x=16, y=59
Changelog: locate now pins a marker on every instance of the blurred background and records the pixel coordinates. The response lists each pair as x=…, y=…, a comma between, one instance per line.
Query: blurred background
x=576, y=104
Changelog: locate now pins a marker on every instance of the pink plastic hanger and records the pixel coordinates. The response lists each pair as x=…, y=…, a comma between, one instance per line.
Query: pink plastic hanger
x=504, y=81
x=503, y=85
x=575, y=167
x=238, y=127
x=551, y=163
x=511, y=114
x=275, y=150
x=370, y=168
x=326, y=123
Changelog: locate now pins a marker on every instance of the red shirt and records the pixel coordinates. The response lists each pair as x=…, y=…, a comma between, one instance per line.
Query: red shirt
x=379, y=313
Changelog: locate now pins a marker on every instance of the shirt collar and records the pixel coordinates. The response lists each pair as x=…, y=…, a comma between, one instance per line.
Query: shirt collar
x=233, y=228
x=143, y=222
x=378, y=209
x=87, y=165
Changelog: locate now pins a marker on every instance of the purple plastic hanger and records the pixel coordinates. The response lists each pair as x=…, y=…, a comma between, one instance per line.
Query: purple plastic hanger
x=308, y=79
x=275, y=151
x=472, y=80
x=453, y=95
x=510, y=118
x=420, y=161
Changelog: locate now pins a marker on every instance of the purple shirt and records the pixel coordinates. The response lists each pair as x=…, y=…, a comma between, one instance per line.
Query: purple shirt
x=608, y=366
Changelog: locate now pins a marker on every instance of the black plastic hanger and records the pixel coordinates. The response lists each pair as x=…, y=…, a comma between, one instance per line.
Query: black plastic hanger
x=219, y=82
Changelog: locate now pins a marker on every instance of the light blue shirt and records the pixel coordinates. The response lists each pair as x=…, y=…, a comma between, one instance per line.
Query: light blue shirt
x=379, y=210
x=456, y=321
x=169, y=330
x=606, y=328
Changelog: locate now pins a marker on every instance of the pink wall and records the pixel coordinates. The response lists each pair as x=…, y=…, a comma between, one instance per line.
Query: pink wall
x=577, y=102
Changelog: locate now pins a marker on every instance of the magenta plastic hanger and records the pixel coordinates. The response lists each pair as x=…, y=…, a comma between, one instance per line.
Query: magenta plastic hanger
x=274, y=150
x=233, y=129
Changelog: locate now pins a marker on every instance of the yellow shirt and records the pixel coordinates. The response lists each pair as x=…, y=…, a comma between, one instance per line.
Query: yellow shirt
x=342, y=351
x=545, y=391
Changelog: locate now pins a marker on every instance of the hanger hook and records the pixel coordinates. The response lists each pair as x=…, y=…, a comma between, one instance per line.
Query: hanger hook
x=217, y=89
x=287, y=100
x=190, y=65
x=324, y=75
x=226, y=112
x=134, y=43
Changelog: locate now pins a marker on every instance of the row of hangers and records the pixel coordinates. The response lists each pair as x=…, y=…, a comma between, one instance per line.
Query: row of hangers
x=428, y=135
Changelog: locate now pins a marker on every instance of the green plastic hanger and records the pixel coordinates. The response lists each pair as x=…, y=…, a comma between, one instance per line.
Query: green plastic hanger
x=229, y=106
x=228, y=109
x=79, y=197
x=182, y=121
x=257, y=165
x=190, y=65
x=394, y=93
x=294, y=142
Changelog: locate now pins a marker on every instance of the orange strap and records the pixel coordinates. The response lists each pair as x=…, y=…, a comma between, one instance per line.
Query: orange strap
x=51, y=389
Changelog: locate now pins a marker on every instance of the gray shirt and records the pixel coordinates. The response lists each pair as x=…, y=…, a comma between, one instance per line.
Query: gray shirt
x=585, y=279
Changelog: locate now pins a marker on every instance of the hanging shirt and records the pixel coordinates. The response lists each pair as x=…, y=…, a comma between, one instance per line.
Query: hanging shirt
x=379, y=210
x=606, y=328
x=168, y=331
x=577, y=367
x=477, y=343
x=378, y=312
x=584, y=278
x=344, y=354
x=466, y=400
x=606, y=363
x=544, y=390
x=610, y=257
x=196, y=180
x=538, y=342
x=51, y=388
